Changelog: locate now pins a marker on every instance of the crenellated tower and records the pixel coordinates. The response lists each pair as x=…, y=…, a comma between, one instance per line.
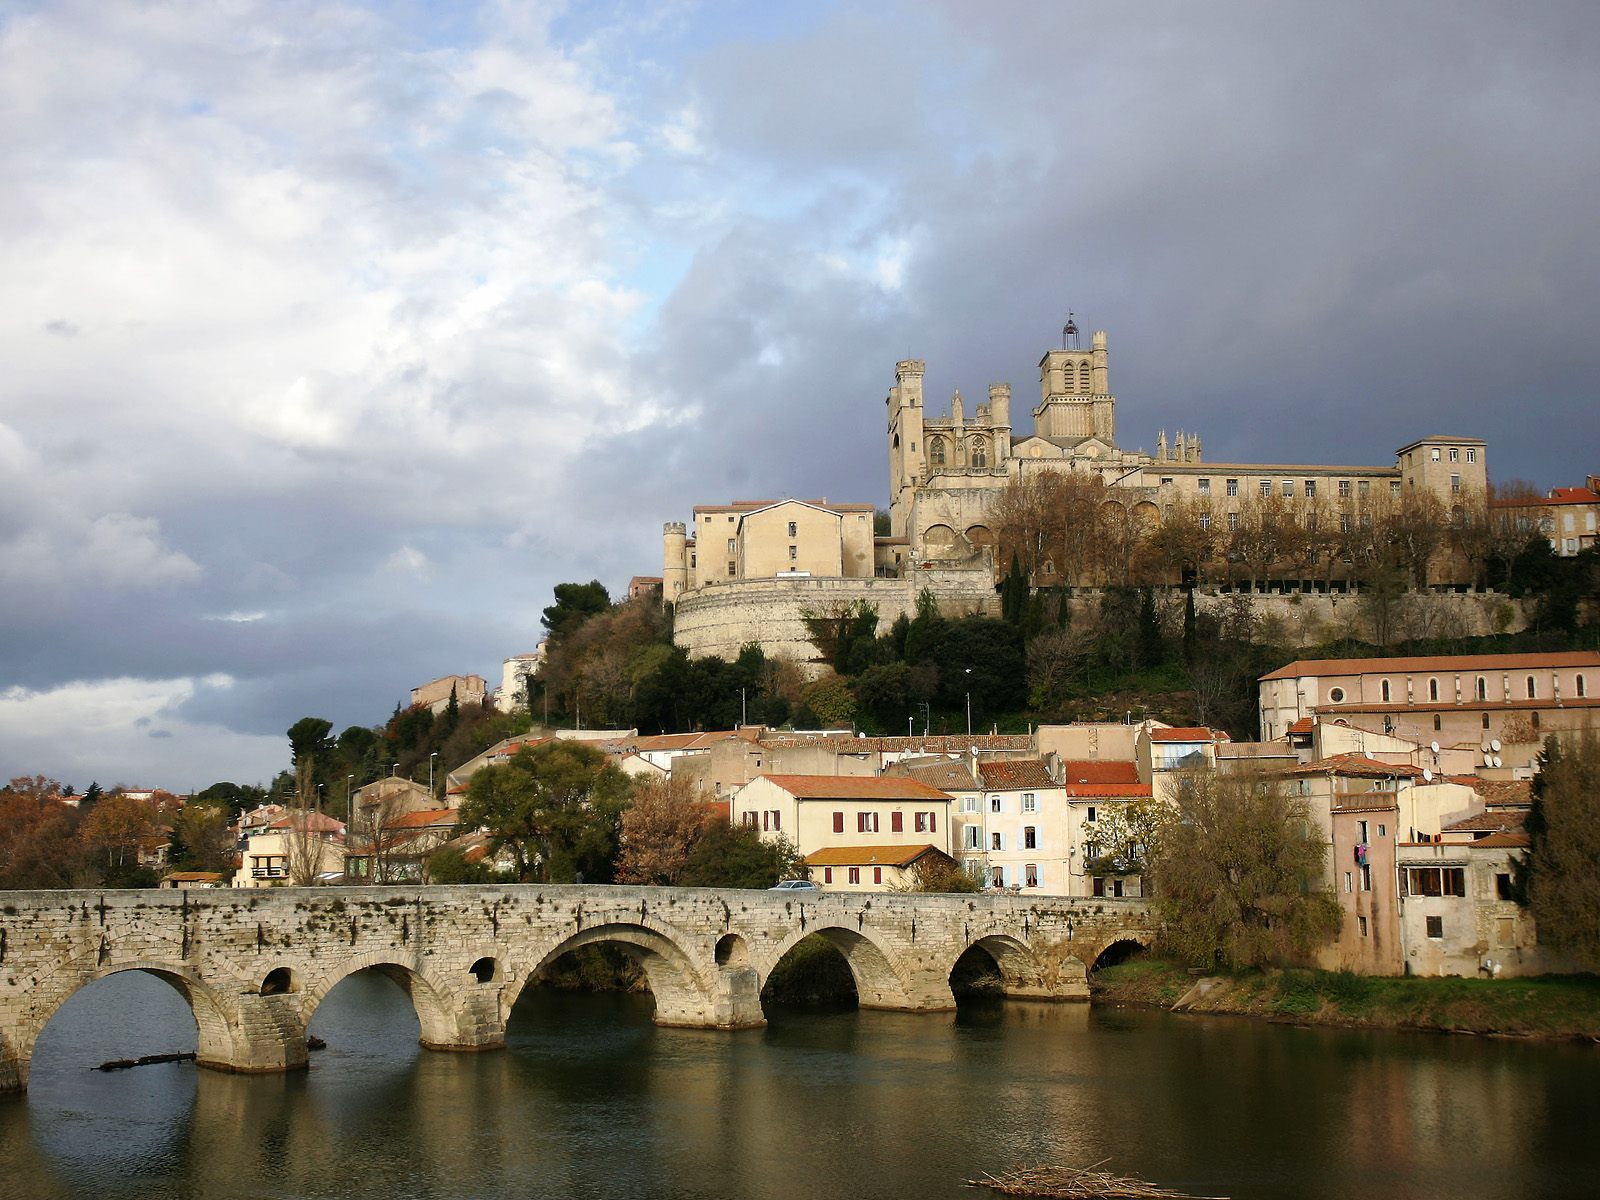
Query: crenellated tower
x=1075, y=399
x=907, y=452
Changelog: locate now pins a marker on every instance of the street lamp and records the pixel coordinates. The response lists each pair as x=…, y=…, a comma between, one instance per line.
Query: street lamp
x=348, y=781
x=320, y=786
x=431, y=757
x=969, y=700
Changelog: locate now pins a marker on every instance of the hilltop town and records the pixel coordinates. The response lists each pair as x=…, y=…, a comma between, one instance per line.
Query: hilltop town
x=1015, y=679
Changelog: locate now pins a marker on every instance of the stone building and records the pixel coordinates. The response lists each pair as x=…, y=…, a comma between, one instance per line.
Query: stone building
x=435, y=694
x=1567, y=517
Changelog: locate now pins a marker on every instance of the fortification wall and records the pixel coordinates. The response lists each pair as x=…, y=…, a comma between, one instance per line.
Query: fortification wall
x=723, y=617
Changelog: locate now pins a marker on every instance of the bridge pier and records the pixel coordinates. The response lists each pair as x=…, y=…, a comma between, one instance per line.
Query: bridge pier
x=479, y=1024
x=737, y=1003
x=268, y=1035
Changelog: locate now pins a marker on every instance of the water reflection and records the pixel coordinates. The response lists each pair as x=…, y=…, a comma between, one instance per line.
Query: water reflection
x=591, y=1099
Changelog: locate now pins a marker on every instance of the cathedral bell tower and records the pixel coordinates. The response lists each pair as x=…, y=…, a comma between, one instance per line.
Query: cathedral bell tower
x=906, y=449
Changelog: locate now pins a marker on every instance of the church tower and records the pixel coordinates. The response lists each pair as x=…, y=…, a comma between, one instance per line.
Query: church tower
x=1075, y=399
x=906, y=448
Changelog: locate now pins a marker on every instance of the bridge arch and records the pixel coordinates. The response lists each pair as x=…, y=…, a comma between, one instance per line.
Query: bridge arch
x=1119, y=949
x=436, y=1014
x=879, y=983
x=681, y=993
x=215, y=1026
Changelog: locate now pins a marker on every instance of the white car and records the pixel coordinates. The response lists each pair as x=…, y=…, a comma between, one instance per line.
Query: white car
x=796, y=887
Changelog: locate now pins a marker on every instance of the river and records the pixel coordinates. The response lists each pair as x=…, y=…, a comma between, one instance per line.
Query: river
x=591, y=1099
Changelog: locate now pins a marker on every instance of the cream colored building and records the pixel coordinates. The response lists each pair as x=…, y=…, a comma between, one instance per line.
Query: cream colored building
x=435, y=694
x=1567, y=517
x=311, y=841
x=886, y=816
x=768, y=539
x=945, y=472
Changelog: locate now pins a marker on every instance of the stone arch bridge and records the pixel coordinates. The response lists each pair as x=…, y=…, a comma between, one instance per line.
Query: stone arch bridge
x=255, y=964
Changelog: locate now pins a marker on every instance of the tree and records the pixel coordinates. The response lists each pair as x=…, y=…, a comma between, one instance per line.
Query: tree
x=203, y=830
x=937, y=874
x=830, y=701
x=1562, y=874
x=39, y=844
x=557, y=808
x=115, y=832
x=1239, y=873
x=1122, y=835
x=659, y=832
x=575, y=603
x=735, y=856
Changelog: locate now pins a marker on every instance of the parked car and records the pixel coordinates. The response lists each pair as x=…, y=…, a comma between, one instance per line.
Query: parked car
x=793, y=887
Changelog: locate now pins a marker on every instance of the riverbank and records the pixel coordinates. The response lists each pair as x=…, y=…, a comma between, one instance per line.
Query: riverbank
x=1546, y=1006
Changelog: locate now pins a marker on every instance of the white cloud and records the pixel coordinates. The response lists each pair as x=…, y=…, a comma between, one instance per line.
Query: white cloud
x=408, y=560
x=130, y=731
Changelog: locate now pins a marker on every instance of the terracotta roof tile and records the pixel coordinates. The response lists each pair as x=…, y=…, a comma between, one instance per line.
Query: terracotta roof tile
x=1490, y=820
x=1442, y=662
x=1511, y=839
x=855, y=787
x=1303, y=725
x=428, y=818
x=1357, y=765
x=1087, y=770
x=947, y=774
x=869, y=856
x=1009, y=773
x=1113, y=791
x=1194, y=733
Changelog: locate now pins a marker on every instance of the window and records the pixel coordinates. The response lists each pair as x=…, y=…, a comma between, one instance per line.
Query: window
x=1116, y=888
x=1533, y=689
x=1362, y=922
x=770, y=820
x=1455, y=455
x=1205, y=487
x=1433, y=881
x=1083, y=376
x=1344, y=525
x=1483, y=688
x=1438, y=726
x=827, y=874
x=969, y=804
x=1433, y=689
x=733, y=545
x=1205, y=520
x=1233, y=487
x=1366, y=877
x=897, y=821
x=793, y=529
x=838, y=822
x=1288, y=487
x=971, y=838
x=1233, y=520
x=1434, y=454
x=732, y=568
x=855, y=874
x=1336, y=695
x=866, y=822
x=1486, y=720
x=1472, y=455
x=994, y=804
x=1348, y=879
x=1266, y=487
x=1311, y=489
x=1090, y=815
x=1030, y=838
x=1436, y=927
x=748, y=818
x=1383, y=690
x=877, y=874
x=997, y=876
x=1030, y=874
x=996, y=842
x=1502, y=887
x=936, y=452
x=1581, y=687
x=1363, y=486
x=1165, y=480
x=1099, y=886
x=1455, y=484
x=1030, y=802
x=978, y=452
x=1534, y=719
x=794, y=553
x=1344, y=487
x=1394, y=487
x=1382, y=831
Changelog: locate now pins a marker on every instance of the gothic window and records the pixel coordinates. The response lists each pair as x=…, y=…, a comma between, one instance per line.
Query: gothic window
x=1483, y=688
x=1384, y=691
x=936, y=452
x=1083, y=376
x=978, y=451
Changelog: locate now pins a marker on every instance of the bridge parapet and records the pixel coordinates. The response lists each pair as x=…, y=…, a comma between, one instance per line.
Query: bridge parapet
x=254, y=964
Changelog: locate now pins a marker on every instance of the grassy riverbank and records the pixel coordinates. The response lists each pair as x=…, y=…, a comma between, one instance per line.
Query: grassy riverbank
x=1541, y=1006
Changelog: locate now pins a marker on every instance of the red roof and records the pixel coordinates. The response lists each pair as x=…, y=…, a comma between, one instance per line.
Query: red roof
x=428, y=818
x=314, y=821
x=1088, y=770
x=1129, y=791
x=1355, y=764
x=1193, y=733
x=1441, y=662
x=1303, y=725
x=854, y=787
x=1006, y=773
x=869, y=856
x=1508, y=840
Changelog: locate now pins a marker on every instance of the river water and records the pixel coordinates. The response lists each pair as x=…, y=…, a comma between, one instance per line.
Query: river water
x=591, y=1099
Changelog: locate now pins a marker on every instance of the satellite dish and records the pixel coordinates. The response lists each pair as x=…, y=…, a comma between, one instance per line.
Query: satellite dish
x=1484, y=747
x=1434, y=746
x=1494, y=744
x=1427, y=775
x=1496, y=761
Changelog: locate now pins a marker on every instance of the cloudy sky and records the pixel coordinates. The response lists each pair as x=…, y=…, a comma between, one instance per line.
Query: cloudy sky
x=335, y=334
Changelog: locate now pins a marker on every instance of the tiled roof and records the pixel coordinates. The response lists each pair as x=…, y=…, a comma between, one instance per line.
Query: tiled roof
x=194, y=876
x=869, y=856
x=855, y=787
x=947, y=774
x=1490, y=820
x=314, y=821
x=952, y=743
x=1508, y=840
x=1364, y=802
x=429, y=818
x=1303, y=725
x=1089, y=770
x=1441, y=662
x=1127, y=791
x=1355, y=764
x=1193, y=733
x=1007, y=773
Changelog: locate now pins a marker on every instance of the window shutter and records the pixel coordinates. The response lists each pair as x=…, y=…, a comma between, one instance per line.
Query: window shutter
x=777, y=818
x=838, y=822
x=933, y=822
x=897, y=822
x=827, y=874
x=877, y=874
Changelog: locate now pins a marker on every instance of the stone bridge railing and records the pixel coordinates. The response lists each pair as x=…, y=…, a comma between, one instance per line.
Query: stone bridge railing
x=254, y=964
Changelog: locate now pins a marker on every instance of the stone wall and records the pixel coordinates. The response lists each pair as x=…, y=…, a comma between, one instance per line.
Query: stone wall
x=255, y=965
x=721, y=618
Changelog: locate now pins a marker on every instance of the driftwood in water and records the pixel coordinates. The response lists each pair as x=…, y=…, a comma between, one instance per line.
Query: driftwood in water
x=1068, y=1183
x=315, y=1043
x=122, y=1064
